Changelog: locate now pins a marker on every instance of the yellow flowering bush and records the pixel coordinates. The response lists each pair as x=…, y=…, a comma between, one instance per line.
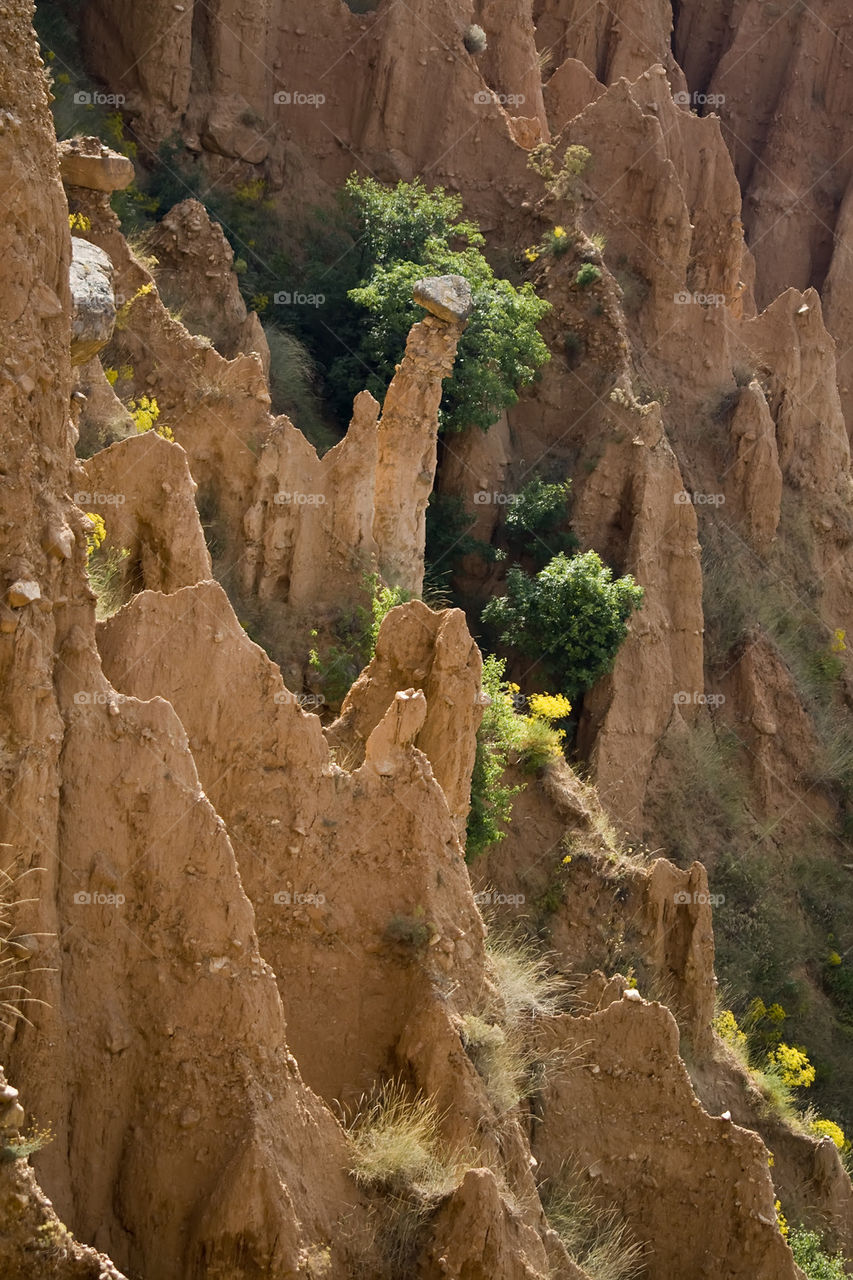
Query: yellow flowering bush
x=548, y=706
x=123, y=314
x=96, y=536
x=792, y=1066
x=145, y=411
x=79, y=222
x=781, y=1220
x=829, y=1129
x=726, y=1027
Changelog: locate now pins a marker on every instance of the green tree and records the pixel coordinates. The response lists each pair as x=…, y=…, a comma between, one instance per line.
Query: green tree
x=407, y=232
x=533, y=521
x=572, y=615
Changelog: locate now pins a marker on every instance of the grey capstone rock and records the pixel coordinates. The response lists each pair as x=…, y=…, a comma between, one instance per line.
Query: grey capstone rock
x=448, y=297
x=94, y=308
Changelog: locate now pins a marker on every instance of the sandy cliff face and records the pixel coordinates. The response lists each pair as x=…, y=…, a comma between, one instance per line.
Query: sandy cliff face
x=243, y=923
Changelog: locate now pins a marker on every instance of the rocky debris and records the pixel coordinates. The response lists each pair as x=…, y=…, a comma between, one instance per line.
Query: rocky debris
x=626, y=1116
x=434, y=652
x=22, y=592
x=384, y=750
x=94, y=312
x=448, y=297
x=143, y=489
x=89, y=162
x=195, y=275
x=225, y=133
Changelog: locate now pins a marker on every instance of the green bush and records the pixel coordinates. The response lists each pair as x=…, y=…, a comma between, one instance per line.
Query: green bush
x=533, y=521
x=812, y=1258
x=407, y=232
x=572, y=615
x=588, y=274
x=491, y=799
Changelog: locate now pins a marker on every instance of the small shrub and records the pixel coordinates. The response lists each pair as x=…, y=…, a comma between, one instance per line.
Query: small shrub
x=106, y=570
x=726, y=1027
x=383, y=600
x=595, y=1238
x=96, y=535
x=410, y=931
x=588, y=274
x=396, y=1144
x=475, y=39
x=562, y=176
x=498, y=735
x=539, y=743
x=498, y=1060
x=812, y=1258
x=557, y=242
x=527, y=986
x=26, y=1145
x=123, y=313
x=572, y=615
x=534, y=520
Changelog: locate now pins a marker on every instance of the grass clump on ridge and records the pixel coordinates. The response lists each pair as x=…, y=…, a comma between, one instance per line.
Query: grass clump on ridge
x=595, y=1238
